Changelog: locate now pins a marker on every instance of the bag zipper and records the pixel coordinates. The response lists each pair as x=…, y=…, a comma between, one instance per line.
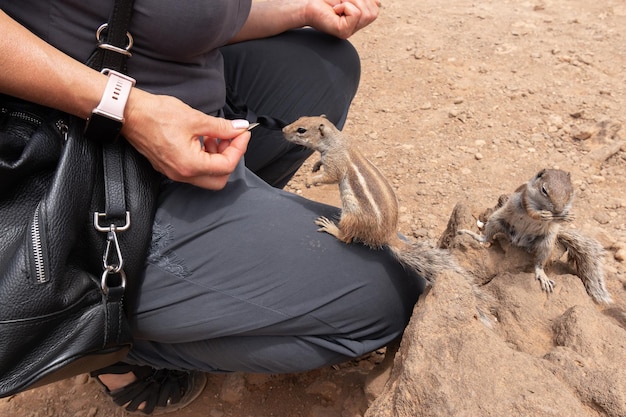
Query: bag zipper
x=25, y=117
x=37, y=235
x=35, y=120
x=39, y=260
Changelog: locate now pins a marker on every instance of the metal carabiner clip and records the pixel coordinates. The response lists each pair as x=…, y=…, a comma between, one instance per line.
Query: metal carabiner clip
x=111, y=267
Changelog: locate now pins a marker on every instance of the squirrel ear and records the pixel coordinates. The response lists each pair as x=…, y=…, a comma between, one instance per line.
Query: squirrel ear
x=540, y=173
x=323, y=116
x=321, y=129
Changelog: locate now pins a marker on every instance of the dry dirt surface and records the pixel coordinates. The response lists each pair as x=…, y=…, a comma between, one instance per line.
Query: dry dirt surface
x=460, y=101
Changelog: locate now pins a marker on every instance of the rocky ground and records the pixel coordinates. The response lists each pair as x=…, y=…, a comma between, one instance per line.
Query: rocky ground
x=460, y=102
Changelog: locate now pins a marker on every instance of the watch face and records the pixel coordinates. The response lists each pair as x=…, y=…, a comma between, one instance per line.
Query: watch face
x=102, y=128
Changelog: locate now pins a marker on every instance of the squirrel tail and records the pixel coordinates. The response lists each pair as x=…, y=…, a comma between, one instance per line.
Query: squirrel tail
x=424, y=259
x=586, y=255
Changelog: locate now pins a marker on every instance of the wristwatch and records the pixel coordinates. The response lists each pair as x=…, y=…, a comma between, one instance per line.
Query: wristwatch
x=107, y=118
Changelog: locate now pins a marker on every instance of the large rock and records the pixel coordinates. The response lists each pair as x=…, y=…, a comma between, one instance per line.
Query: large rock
x=504, y=347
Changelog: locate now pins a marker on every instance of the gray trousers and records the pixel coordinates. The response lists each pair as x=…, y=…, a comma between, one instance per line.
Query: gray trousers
x=239, y=279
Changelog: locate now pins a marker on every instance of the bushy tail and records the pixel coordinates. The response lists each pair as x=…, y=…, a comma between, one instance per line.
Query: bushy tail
x=424, y=259
x=587, y=256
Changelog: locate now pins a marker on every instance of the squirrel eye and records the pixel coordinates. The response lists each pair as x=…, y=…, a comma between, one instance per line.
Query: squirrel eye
x=544, y=191
x=301, y=130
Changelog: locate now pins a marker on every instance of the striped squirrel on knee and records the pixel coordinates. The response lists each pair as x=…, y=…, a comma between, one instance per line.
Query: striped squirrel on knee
x=369, y=212
x=531, y=219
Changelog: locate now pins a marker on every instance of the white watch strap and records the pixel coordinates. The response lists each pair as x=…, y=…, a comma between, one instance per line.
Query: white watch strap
x=115, y=95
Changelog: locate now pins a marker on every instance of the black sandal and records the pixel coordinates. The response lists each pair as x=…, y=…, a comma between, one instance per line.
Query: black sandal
x=162, y=390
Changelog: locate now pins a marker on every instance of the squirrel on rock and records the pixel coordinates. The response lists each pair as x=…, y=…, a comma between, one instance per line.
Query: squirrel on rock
x=531, y=219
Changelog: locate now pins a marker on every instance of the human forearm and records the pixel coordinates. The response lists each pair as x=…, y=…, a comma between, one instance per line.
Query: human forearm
x=271, y=17
x=35, y=71
x=335, y=17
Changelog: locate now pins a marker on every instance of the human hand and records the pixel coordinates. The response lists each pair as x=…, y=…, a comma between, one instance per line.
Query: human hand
x=341, y=18
x=167, y=132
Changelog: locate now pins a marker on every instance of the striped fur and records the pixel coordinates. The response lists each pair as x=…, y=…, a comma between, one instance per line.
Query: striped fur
x=369, y=206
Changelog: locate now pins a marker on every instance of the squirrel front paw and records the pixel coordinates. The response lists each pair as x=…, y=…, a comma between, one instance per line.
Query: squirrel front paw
x=546, y=215
x=328, y=226
x=546, y=283
x=325, y=224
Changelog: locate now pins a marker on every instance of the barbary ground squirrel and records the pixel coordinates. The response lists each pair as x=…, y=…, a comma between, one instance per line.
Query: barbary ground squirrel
x=369, y=212
x=531, y=219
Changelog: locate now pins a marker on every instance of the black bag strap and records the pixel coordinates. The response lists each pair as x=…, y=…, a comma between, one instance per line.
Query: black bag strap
x=114, y=40
x=114, y=44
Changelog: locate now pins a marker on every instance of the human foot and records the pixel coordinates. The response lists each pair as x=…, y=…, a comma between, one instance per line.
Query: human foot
x=148, y=390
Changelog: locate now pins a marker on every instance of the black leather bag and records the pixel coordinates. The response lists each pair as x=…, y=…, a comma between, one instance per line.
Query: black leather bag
x=63, y=285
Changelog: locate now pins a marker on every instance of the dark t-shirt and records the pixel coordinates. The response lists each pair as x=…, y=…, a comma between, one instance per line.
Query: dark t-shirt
x=176, y=42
